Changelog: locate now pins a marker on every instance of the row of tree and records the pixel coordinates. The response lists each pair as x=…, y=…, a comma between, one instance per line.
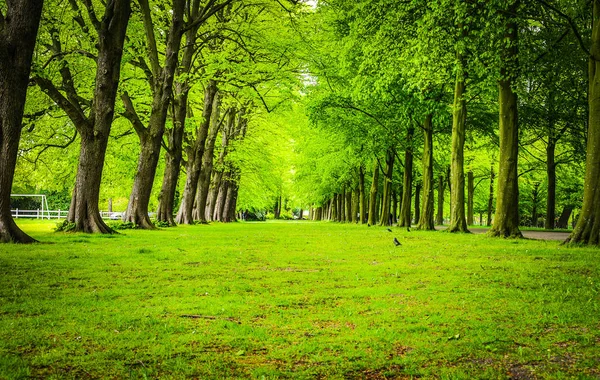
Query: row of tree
x=385, y=74
x=152, y=64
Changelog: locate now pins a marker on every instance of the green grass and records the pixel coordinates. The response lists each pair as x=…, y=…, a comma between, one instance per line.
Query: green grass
x=296, y=300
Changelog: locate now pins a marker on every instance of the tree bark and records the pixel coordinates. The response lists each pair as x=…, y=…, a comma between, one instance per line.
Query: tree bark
x=386, y=199
x=491, y=197
x=361, y=190
x=506, y=219
x=425, y=221
x=534, y=213
x=195, y=156
x=207, y=162
x=173, y=158
x=405, y=210
x=355, y=204
x=470, y=195
x=373, y=195
x=151, y=137
x=417, y=201
x=563, y=220
x=439, y=220
x=457, y=175
x=551, y=196
x=18, y=32
x=587, y=229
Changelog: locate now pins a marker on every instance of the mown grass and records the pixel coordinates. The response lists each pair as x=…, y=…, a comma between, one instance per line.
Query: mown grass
x=296, y=300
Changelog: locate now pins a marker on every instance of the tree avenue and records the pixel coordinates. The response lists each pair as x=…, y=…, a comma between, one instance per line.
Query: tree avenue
x=456, y=113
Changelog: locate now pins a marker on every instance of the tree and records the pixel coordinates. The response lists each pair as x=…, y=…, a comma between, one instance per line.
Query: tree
x=506, y=219
x=160, y=79
x=19, y=23
x=93, y=128
x=587, y=230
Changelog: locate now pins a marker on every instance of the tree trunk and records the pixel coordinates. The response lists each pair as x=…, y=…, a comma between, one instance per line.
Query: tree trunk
x=457, y=175
x=439, y=220
x=221, y=199
x=355, y=204
x=587, y=229
x=84, y=212
x=551, y=197
x=506, y=219
x=334, y=208
x=491, y=198
x=470, y=195
x=417, y=201
x=349, y=206
x=207, y=163
x=394, y=207
x=373, y=195
x=425, y=221
x=386, y=199
x=195, y=156
x=534, y=213
x=405, y=210
x=361, y=190
x=152, y=136
x=18, y=33
x=563, y=221
x=173, y=158
x=229, y=205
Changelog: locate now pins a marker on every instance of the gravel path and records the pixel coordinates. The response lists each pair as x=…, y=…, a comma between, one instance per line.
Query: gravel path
x=537, y=235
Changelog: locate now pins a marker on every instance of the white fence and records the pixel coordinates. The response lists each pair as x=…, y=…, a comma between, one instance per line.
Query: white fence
x=57, y=214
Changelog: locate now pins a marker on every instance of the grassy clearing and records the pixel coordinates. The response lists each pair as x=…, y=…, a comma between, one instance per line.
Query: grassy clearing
x=296, y=299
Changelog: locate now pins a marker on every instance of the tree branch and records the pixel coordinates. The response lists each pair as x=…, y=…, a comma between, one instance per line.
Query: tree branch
x=132, y=116
x=570, y=22
x=92, y=14
x=82, y=123
x=150, y=37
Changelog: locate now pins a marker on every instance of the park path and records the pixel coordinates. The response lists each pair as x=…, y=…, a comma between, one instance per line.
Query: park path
x=537, y=235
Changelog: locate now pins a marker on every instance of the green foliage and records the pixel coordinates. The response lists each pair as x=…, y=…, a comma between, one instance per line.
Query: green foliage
x=120, y=225
x=65, y=226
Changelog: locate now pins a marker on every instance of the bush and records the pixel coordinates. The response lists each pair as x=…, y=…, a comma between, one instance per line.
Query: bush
x=122, y=225
x=65, y=226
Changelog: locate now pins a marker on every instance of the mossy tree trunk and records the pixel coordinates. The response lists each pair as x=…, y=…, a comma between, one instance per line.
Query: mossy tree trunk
x=405, y=210
x=18, y=32
x=425, y=221
x=490, y=207
x=587, y=229
x=355, y=205
x=418, y=201
x=373, y=195
x=349, y=218
x=470, y=194
x=551, y=194
x=361, y=189
x=457, y=175
x=384, y=219
x=506, y=218
x=439, y=219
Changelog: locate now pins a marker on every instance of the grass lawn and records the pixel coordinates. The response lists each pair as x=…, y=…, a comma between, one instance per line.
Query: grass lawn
x=296, y=300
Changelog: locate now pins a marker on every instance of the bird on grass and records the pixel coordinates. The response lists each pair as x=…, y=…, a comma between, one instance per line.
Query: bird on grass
x=396, y=242
x=389, y=230
x=368, y=225
x=408, y=228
